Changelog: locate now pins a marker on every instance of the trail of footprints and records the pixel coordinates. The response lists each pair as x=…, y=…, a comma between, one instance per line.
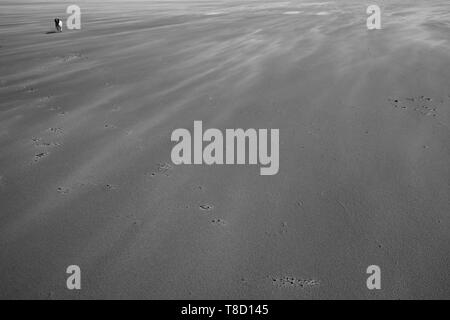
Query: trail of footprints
x=208, y=208
x=293, y=282
x=421, y=105
x=46, y=102
x=44, y=145
x=65, y=190
x=162, y=169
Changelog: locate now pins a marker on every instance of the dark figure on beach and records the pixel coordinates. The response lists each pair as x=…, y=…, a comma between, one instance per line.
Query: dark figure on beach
x=58, y=25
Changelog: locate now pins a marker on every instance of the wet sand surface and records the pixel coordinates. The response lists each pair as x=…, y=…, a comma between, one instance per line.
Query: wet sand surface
x=86, y=176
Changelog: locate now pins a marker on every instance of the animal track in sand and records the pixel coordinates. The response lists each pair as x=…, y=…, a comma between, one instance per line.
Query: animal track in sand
x=421, y=105
x=219, y=222
x=38, y=142
x=161, y=169
x=137, y=223
x=206, y=207
x=293, y=282
x=63, y=190
x=55, y=130
x=198, y=188
x=110, y=187
x=40, y=156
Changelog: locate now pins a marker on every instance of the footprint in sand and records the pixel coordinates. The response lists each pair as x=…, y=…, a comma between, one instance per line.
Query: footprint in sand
x=219, y=222
x=63, y=190
x=293, y=282
x=137, y=223
x=161, y=169
x=164, y=168
x=110, y=187
x=110, y=126
x=55, y=130
x=40, y=156
x=38, y=142
x=426, y=110
x=244, y=281
x=421, y=105
x=206, y=207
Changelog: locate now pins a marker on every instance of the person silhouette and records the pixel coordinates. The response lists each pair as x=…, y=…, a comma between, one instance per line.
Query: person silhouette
x=58, y=25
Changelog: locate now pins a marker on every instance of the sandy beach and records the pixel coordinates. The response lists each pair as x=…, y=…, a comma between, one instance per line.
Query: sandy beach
x=86, y=176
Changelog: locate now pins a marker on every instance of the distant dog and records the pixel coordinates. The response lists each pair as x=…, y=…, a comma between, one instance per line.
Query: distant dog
x=58, y=25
